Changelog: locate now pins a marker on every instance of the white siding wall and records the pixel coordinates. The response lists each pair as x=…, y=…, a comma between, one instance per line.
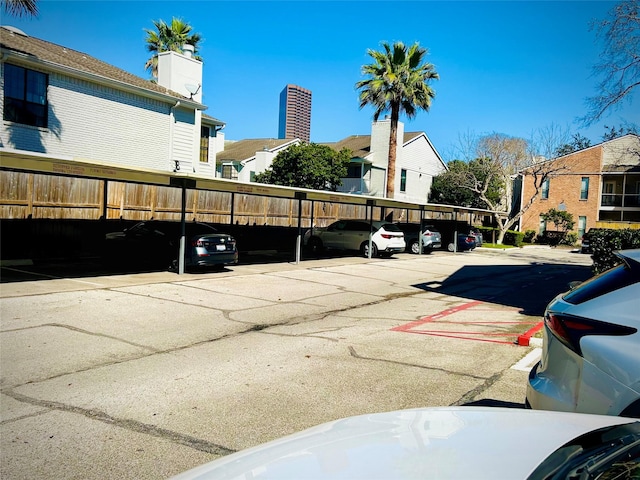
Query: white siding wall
x=183, y=138
x=97, y=123
x=422, y=164
x=103, y=124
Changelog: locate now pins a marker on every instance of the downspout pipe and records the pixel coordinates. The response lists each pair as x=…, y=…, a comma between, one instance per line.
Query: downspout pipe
x=172, y=121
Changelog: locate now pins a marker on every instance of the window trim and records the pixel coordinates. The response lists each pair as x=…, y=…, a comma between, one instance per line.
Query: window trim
x=584, y=188
x=544, y=190
x=23, y=107
x=403, y=179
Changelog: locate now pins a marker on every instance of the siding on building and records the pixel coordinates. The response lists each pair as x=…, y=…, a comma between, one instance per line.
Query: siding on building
x=91, y=121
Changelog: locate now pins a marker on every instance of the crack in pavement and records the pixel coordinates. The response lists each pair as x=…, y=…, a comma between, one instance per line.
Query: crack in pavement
x=472, y=394
x=86, y=332
x=131, y=425
x=353, y=353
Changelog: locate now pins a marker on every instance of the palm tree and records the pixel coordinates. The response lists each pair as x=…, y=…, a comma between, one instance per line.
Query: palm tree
x=166, y=38
x=17, y=8
x=399, y=83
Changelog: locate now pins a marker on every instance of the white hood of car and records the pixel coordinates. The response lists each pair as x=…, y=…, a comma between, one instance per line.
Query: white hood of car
x=438, y=443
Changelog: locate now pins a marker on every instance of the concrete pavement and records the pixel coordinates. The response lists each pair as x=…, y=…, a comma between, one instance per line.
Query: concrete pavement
x=144, y=376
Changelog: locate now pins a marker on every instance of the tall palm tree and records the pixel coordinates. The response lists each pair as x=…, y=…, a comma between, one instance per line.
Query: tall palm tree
x=398, y=83
x=169, y=37
x=18, y=8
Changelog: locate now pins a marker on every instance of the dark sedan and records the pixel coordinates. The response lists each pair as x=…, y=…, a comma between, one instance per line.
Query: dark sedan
x=156, y=243
x=466, y=242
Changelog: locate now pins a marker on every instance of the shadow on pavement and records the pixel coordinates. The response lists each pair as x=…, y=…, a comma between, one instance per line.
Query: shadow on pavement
x=490, y=402
x=504, y=284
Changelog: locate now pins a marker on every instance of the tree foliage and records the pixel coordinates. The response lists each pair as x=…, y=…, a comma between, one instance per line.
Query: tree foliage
x=504, y=158
x=578, y=142
x=398, y=82
x=619, y=65
x=308, y=165
x=563, y=220
x=613, y=132
x=19, y=8
x=446, y=190
x=169, y=37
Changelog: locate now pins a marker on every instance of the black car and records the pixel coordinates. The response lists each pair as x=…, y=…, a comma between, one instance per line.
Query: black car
x=156, y=243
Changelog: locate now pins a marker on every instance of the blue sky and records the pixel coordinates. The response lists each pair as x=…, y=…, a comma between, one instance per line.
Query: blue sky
x=511, y=67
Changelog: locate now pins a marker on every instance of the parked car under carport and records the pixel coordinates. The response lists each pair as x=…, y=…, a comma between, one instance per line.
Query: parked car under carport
x=156, y=244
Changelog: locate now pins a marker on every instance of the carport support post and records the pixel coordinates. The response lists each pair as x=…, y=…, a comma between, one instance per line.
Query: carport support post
x=455, y=231
x=420, y=235
x=300, y=196
x=183, y=183
x=183, y=231
x=370, y=203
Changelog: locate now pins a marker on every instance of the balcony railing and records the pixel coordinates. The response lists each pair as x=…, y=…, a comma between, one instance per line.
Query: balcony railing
x=619, y=200
x=354, y=185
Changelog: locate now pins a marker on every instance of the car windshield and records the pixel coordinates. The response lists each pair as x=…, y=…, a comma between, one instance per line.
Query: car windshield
x=390, y=227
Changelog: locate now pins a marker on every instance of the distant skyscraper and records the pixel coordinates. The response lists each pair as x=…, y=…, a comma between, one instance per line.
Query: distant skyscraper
x=295, y=113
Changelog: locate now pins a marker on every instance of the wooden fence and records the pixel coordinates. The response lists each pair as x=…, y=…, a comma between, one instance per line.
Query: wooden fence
x=38, y=196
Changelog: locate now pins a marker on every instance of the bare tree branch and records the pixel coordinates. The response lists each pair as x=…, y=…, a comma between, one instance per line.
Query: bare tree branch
x=620, y=60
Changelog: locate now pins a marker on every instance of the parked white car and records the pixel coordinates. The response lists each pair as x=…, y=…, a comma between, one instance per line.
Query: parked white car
x=386, y=238
x=444, y=443
x=591, y=347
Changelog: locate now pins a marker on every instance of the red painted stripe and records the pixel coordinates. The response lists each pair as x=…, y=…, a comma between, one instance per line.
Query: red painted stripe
x=525, y=338
x=433, y=334
x=436, y=316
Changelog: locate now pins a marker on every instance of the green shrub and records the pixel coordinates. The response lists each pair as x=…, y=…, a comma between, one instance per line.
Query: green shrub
x=606, y=241
x=514, y=238
x=529, y=236
x=511, y=237
x=570, y=238
x=487, y=234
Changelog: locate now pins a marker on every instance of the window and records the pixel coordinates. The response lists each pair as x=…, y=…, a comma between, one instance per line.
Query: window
x=403, y=180
x=230, y=172
x=543, y=226
x=545, y=189
x=205, y=132
x=354, y=170
x=584, y=188
x=582, y=226
x=25, y=96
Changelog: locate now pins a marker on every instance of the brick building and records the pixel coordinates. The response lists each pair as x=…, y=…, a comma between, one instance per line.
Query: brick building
x=599, y=186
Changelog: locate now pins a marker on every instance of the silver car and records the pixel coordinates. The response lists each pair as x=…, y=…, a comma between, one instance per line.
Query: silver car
x=444, y=443
x=591, y=348
x=431, y=238
x=386, y=237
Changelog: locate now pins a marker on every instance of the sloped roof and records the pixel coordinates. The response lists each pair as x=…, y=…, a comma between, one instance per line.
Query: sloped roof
x=246, y=149
x=47, y=52
x=360, y=145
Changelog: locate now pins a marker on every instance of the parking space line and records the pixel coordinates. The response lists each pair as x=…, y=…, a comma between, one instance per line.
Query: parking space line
x=414, y=327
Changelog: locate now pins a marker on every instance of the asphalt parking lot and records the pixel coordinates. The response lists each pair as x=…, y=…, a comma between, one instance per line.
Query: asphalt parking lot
x=147, y=375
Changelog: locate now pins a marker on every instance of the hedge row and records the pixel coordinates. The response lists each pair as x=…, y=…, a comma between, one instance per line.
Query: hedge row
x=511, y=237
x=603, y=242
